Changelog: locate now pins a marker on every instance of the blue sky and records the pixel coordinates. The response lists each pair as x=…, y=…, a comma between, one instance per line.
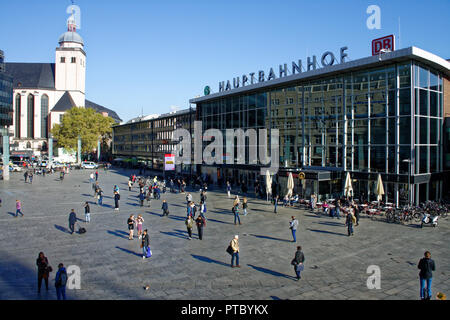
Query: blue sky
x=152, y=55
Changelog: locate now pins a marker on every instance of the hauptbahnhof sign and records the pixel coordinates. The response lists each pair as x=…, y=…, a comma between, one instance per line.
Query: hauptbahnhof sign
x=328, y=59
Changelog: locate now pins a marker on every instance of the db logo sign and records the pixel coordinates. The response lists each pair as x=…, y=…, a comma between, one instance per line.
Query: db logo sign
x=387, y=43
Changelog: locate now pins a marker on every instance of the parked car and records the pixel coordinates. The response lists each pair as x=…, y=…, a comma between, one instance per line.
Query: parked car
x=89, y=165
x=15, y=168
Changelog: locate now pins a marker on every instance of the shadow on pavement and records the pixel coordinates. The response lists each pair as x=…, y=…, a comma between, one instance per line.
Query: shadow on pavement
x=129, y=251
x=270, y=238
x=329, y=232
x=271, y=272
x=20, y=282
x=154, y=213
x=118, y=233
x=214, y=220
x=176, y=234
x=179, y=218
x=209, y=260
x=60, y=228
x=12, y=214
x=337, y=224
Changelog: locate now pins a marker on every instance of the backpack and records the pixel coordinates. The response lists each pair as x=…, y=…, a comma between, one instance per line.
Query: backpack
x=62, y=281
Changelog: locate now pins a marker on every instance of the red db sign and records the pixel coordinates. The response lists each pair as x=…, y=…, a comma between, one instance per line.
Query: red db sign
x=387, y=42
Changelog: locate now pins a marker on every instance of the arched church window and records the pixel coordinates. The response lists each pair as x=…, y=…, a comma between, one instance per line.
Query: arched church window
x=30, y=116
x=17, y=116
x=44, y=116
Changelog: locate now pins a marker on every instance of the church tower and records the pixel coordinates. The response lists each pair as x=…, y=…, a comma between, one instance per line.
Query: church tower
x=70, y=64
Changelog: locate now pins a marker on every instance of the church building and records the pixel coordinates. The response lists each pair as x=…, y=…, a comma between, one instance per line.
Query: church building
x=43, y=92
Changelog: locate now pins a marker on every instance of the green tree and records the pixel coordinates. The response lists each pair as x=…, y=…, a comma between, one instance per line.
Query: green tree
x=84, y=122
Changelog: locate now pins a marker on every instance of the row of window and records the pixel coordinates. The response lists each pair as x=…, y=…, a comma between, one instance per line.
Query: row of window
x=30, y=116
x=72, y=60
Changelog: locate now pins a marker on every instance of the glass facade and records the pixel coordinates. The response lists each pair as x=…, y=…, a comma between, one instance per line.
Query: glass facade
x=366, y=123
x=6, y=93
x=149, y=140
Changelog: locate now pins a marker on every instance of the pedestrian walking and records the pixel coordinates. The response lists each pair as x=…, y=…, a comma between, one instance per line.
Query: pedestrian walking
x=72, y=221
x=188, y=198
x=30, y=177
x=96, y=175
x=139, y=223
x=356, y=211
x=203, y=197
x=149, y=197
x=87, y=212
x=313, y=202
x=203, y=209
x=100, y=196
x=18, y=208
x=275, y=204
x=25, y=175
x=116, y=201
x=426, y=266
x=165, y=208
x=189, y=224
x=200, y=222
x=298, y=261
x=234, y=244
x=91, y=178
x=235, y=211
x=293, y=224
x=44, y=270
x=349, y=221
x=142, y=197
x=193, y=210
x=130, y=224
x=145, y=245
x=228, y=189
x=130, y=184
x=244, y=205
x=60, y=282
x=338, y=209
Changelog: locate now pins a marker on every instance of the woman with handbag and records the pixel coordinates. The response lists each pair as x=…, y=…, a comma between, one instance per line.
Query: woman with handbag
x=297, y=262
x=43, y=270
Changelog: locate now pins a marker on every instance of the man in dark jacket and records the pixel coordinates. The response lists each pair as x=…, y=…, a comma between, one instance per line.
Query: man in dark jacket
x=60, y=282
x=72, y=221
x=349, y=223
x=298, y=262
x=165, y=208
x=426, y=266
x=200, y=222
x=145, y=244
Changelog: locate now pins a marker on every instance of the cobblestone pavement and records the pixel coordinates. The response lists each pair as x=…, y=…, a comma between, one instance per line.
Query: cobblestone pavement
x=112, y=266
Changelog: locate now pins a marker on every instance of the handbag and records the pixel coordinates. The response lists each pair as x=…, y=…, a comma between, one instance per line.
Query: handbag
x=230, y=250
x=300, y=267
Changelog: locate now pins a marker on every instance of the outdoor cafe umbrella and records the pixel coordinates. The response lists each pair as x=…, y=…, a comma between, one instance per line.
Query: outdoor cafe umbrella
x=290, y=185
x=380, y=188
x=348, y=185
x=268, y=184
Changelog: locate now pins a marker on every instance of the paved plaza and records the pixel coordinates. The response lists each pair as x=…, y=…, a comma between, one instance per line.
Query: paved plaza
x=112, y=266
